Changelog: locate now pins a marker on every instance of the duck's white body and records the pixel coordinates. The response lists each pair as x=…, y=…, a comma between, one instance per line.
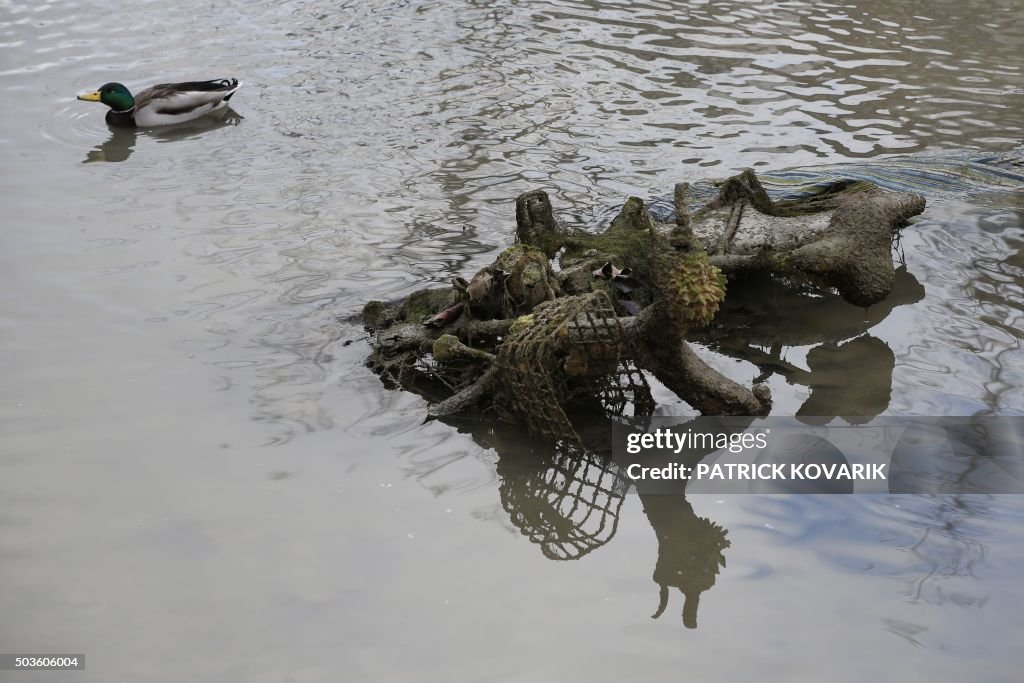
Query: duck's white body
x=179, y=106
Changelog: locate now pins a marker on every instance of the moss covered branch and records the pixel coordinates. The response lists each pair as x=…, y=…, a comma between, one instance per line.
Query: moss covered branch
x=529, y=341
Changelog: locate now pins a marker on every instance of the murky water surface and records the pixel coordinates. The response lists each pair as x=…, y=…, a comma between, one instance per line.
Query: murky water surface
x=202, y=482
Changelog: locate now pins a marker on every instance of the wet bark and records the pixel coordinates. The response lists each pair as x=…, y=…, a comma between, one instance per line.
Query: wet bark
x=666, y=274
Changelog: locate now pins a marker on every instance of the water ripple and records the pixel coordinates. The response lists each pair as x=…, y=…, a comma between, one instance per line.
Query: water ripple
x=380, y=145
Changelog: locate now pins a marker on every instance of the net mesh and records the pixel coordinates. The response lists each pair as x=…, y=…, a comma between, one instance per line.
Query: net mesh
x=567, y=348
x=569, y=508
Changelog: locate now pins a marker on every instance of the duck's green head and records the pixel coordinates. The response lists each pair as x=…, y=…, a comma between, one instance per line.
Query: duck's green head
x=114, y=95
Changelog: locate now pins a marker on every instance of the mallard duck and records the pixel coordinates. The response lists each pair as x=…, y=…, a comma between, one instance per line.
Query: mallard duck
x=163, y=104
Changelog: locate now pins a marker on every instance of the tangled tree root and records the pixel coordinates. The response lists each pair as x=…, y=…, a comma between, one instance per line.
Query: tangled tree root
x=533, y=346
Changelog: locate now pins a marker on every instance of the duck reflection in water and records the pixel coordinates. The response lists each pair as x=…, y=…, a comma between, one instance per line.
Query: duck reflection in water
x=121, y=143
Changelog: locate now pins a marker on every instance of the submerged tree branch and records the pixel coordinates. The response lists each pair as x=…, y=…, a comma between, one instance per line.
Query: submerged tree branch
x=535, y=337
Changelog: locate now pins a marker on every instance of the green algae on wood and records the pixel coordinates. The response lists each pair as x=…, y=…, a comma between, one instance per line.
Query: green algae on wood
x=526, y=340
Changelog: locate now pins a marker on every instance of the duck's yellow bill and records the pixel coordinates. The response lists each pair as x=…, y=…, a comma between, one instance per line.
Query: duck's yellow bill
x=90, y=97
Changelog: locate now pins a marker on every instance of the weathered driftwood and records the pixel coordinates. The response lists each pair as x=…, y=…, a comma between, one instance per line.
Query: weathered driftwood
x=840, y=239
x=528, y=341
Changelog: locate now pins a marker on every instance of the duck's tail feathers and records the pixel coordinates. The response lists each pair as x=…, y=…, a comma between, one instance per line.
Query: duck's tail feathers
x=216, y=84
